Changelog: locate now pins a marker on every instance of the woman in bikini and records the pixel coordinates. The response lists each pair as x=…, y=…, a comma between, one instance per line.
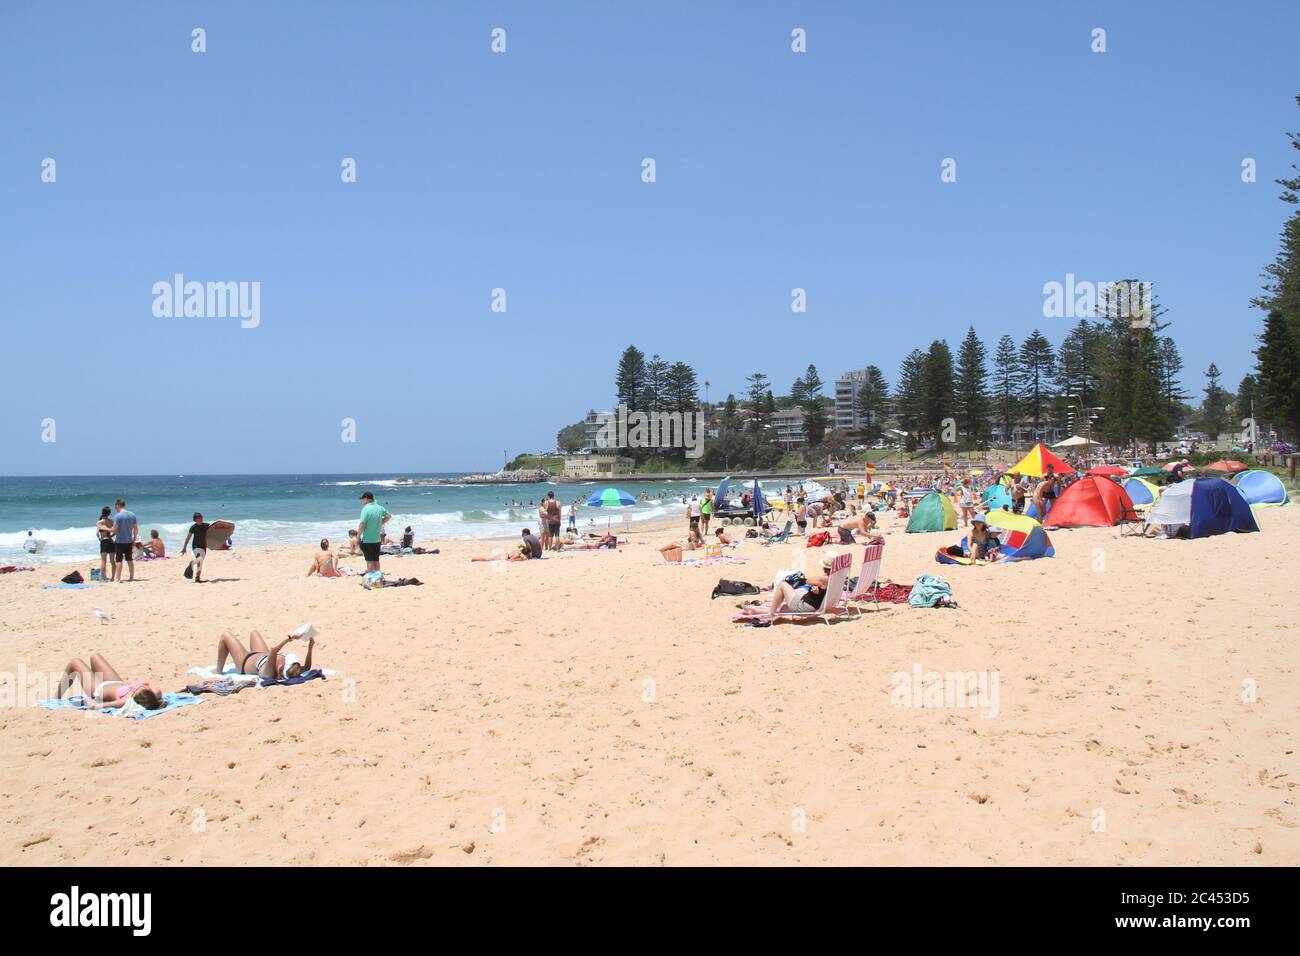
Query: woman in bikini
x=107, y=553
x=261, y=661
x=104, y=688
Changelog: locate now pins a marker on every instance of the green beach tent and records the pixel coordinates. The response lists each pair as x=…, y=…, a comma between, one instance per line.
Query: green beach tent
x=934, y=512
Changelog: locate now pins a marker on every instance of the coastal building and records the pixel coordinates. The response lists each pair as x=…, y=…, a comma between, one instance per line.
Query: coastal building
x=593, y=424
x=847, y=387
x=788, y=426
x=596, y=465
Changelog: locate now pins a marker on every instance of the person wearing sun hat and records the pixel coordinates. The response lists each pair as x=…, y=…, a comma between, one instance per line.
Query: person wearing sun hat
x=984, y=544
x=808, y=594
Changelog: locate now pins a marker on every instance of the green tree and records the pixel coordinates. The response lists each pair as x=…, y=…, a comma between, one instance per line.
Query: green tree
x=654, y=393
x=1037, y=364
x=681, y=388
x=1282, y=275
x=758, y=392
x=1171, y=389
x=573, y=437
x=973, y=406
x=1245, y=401
x=1007, y=383
x=910, y=396
x=1278, y=375
x=629, y=381
x=938, y=401
x=1213, y=419
x=814, y=409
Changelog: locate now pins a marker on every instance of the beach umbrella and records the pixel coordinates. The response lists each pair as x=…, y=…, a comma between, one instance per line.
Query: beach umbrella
x=1035, y=463
x=1228, y=466
x=1108, y=471
x=759, y=503
x=1146, y=472
x=611, y=498
x=1170, y=467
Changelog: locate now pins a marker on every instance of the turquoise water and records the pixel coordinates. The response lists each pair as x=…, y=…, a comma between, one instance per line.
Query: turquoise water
x=289, y=509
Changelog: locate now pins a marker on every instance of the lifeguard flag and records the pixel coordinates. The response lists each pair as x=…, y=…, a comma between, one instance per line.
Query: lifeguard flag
x=1035, y=463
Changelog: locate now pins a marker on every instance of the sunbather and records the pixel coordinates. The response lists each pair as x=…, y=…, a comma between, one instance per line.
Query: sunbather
x=265, y=662
x=104, y=688
x=351, y=548
x=803, y=598
x=323, y=562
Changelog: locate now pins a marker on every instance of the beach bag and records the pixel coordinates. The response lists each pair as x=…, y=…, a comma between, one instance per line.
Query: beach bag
x=820, y=539
x=372, y=580
x=73, y=577
x=189, y=570
x=726, y=587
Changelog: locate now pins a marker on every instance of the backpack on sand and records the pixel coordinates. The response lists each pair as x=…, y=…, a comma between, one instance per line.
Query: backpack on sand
x=726, y=587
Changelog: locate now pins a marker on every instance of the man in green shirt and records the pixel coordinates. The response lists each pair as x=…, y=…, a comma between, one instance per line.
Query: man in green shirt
x=370, y=529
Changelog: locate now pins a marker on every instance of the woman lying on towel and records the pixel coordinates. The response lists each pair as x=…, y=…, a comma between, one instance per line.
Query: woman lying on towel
x=104, y=688
x=264, y=662
x=595, y=542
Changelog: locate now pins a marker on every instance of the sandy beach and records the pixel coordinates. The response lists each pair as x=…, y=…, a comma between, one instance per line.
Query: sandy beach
x=599, y=709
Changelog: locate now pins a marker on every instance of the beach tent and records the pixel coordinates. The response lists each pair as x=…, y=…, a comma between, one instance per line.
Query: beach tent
x=1262, y=489
x=1141, y=492
x=934, y=512
x=1091, y=503
x=1022, y=537
x=995, y=496
x=1205, y=506
x=1035, y=463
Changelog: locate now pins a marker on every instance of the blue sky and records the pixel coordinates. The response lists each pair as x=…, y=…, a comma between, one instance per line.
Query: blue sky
x=522, y=171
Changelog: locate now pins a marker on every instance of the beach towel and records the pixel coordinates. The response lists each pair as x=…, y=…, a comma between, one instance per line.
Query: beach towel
x=9, y=568
x=708, y=562
x=894, y=593
x=209, y=673
x=68, y=587
x=930, y=590
x=130, y=712
x=222, y=688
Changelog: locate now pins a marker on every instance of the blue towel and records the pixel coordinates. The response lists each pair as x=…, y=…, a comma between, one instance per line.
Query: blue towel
x=67, y=587
x=314, y=674
x=170, y=702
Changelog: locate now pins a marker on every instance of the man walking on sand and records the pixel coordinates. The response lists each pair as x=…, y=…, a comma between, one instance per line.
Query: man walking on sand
x=199, y=532
x=370, y=529
x=125, y=531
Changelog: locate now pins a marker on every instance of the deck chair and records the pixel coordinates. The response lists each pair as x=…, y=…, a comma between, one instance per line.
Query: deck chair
x=867, y=579
x=832, y=603
x=780, y=538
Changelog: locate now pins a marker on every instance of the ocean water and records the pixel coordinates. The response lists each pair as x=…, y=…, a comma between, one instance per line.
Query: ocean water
x=291, y=509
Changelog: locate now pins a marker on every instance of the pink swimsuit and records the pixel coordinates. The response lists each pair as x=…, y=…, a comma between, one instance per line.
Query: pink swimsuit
x=126, y=690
